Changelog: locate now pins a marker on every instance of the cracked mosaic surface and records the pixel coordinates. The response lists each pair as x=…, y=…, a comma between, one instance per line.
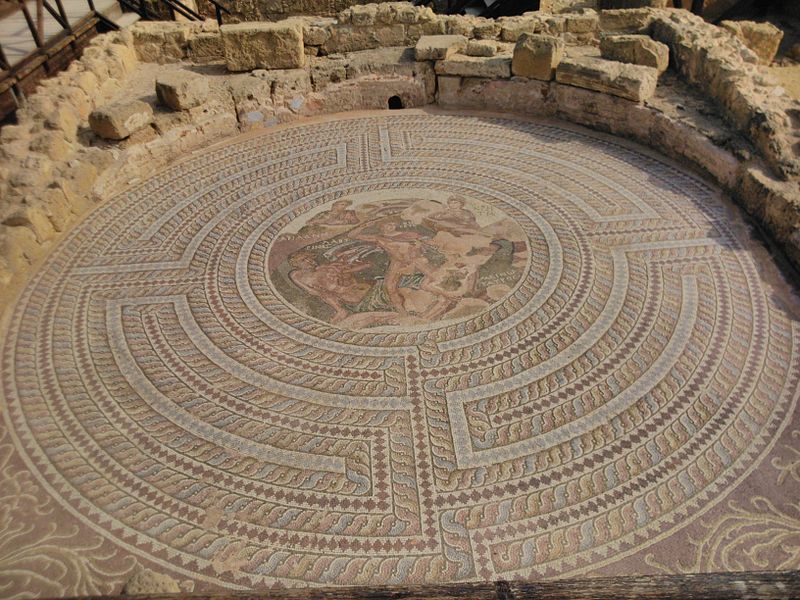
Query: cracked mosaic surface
x=402, y=348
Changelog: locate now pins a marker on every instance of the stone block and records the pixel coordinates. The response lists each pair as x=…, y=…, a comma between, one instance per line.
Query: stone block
x=481, y=48
x=439, y=47
x=537, y=56
x=347, y=38
x=404, y=13
x=316, y=30
x=33, y=214
x=414, y=32
x=513, y=27
x=635, y=49
x=206, y=48
x=118, y=120
x=249, y=46
x=586, y=21
x=632, y=82
x=486, y=29
x=361, y=16
x=516, y=95
x=327, y=71
x=761, y=38
x=612, y=4
x=285, y=84
x=19, y=247
x=51, y=144
x=394, y=62
x=459, y=25
x=181, y=90
x=494, y=67
x=160, y=41
x=252, y=97
x=631, y=20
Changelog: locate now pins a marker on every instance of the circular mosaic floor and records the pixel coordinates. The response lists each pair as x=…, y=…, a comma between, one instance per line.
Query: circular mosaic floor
x=400, y=348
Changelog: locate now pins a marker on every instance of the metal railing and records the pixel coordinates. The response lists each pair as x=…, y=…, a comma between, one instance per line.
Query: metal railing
x=44, y=53
x=174, y=7
x=40, y=48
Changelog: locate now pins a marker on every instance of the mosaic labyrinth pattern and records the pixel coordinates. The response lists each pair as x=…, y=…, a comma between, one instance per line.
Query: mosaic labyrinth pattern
x=399, y=348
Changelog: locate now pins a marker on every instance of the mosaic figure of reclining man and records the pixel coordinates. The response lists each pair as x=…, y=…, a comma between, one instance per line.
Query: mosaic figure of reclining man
x=403, y=262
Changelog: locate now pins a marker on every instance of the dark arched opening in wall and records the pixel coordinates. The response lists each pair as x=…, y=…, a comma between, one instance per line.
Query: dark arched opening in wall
x=395, y=102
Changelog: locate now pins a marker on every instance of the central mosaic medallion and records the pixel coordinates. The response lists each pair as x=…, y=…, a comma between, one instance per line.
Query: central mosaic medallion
x=408, y=259
x=395, y=349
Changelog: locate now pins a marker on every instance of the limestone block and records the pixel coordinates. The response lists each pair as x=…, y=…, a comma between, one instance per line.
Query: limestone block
x=60, y=117
x=56, y=208
x=79, y=178
x=674, y=137
x=33, y=215
x=12, y=133
x=475, y=66
x=148, y=582
x=347, y=38
x=459, y=25
x=316, y=30
x=124, y=56
x=51, y=144
x=368, y=92
x=393, y=35
x=252, y=97
x=517, y=95
x=603, y=112
x=118, y=120
x=180, y=90
x=439, y=47
x=75, y=97
x=562, y=6
x=606, y=4
x=481, y=48
x=633, y=82
x=328, y=70
x=631, y=20
x=486, y=29
x=260, y=45
x=36, y=171
x=160, y=41
x=391, y=62
x=554, y=25
x=537, y=56
x=19, y=247
x=86, y=81
x=513, y=27
x=206, y=48
x=359, y=15
x=776, y=203
x=405, y=13
x=285, y=84
x=635, y=49
x=416, y=31
x=586, y=21
x=761, y=38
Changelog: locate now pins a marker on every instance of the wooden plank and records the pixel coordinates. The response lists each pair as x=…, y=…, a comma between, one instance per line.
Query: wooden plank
x=713, y=586
x=710, y=586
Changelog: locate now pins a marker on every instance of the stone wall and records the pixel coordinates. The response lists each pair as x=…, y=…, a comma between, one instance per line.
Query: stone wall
x=98, y=127
x=275, y=10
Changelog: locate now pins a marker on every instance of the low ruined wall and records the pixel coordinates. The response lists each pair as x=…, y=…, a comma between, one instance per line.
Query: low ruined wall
x=54, y=166
x=275, y=10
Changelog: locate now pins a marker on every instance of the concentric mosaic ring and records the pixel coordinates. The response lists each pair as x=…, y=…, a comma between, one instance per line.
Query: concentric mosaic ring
x=399, y=348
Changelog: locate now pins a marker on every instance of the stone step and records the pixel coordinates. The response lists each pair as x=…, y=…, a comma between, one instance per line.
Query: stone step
x=127, y=19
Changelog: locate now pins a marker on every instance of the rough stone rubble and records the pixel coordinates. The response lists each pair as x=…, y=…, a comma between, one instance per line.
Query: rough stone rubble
x=81, y=139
